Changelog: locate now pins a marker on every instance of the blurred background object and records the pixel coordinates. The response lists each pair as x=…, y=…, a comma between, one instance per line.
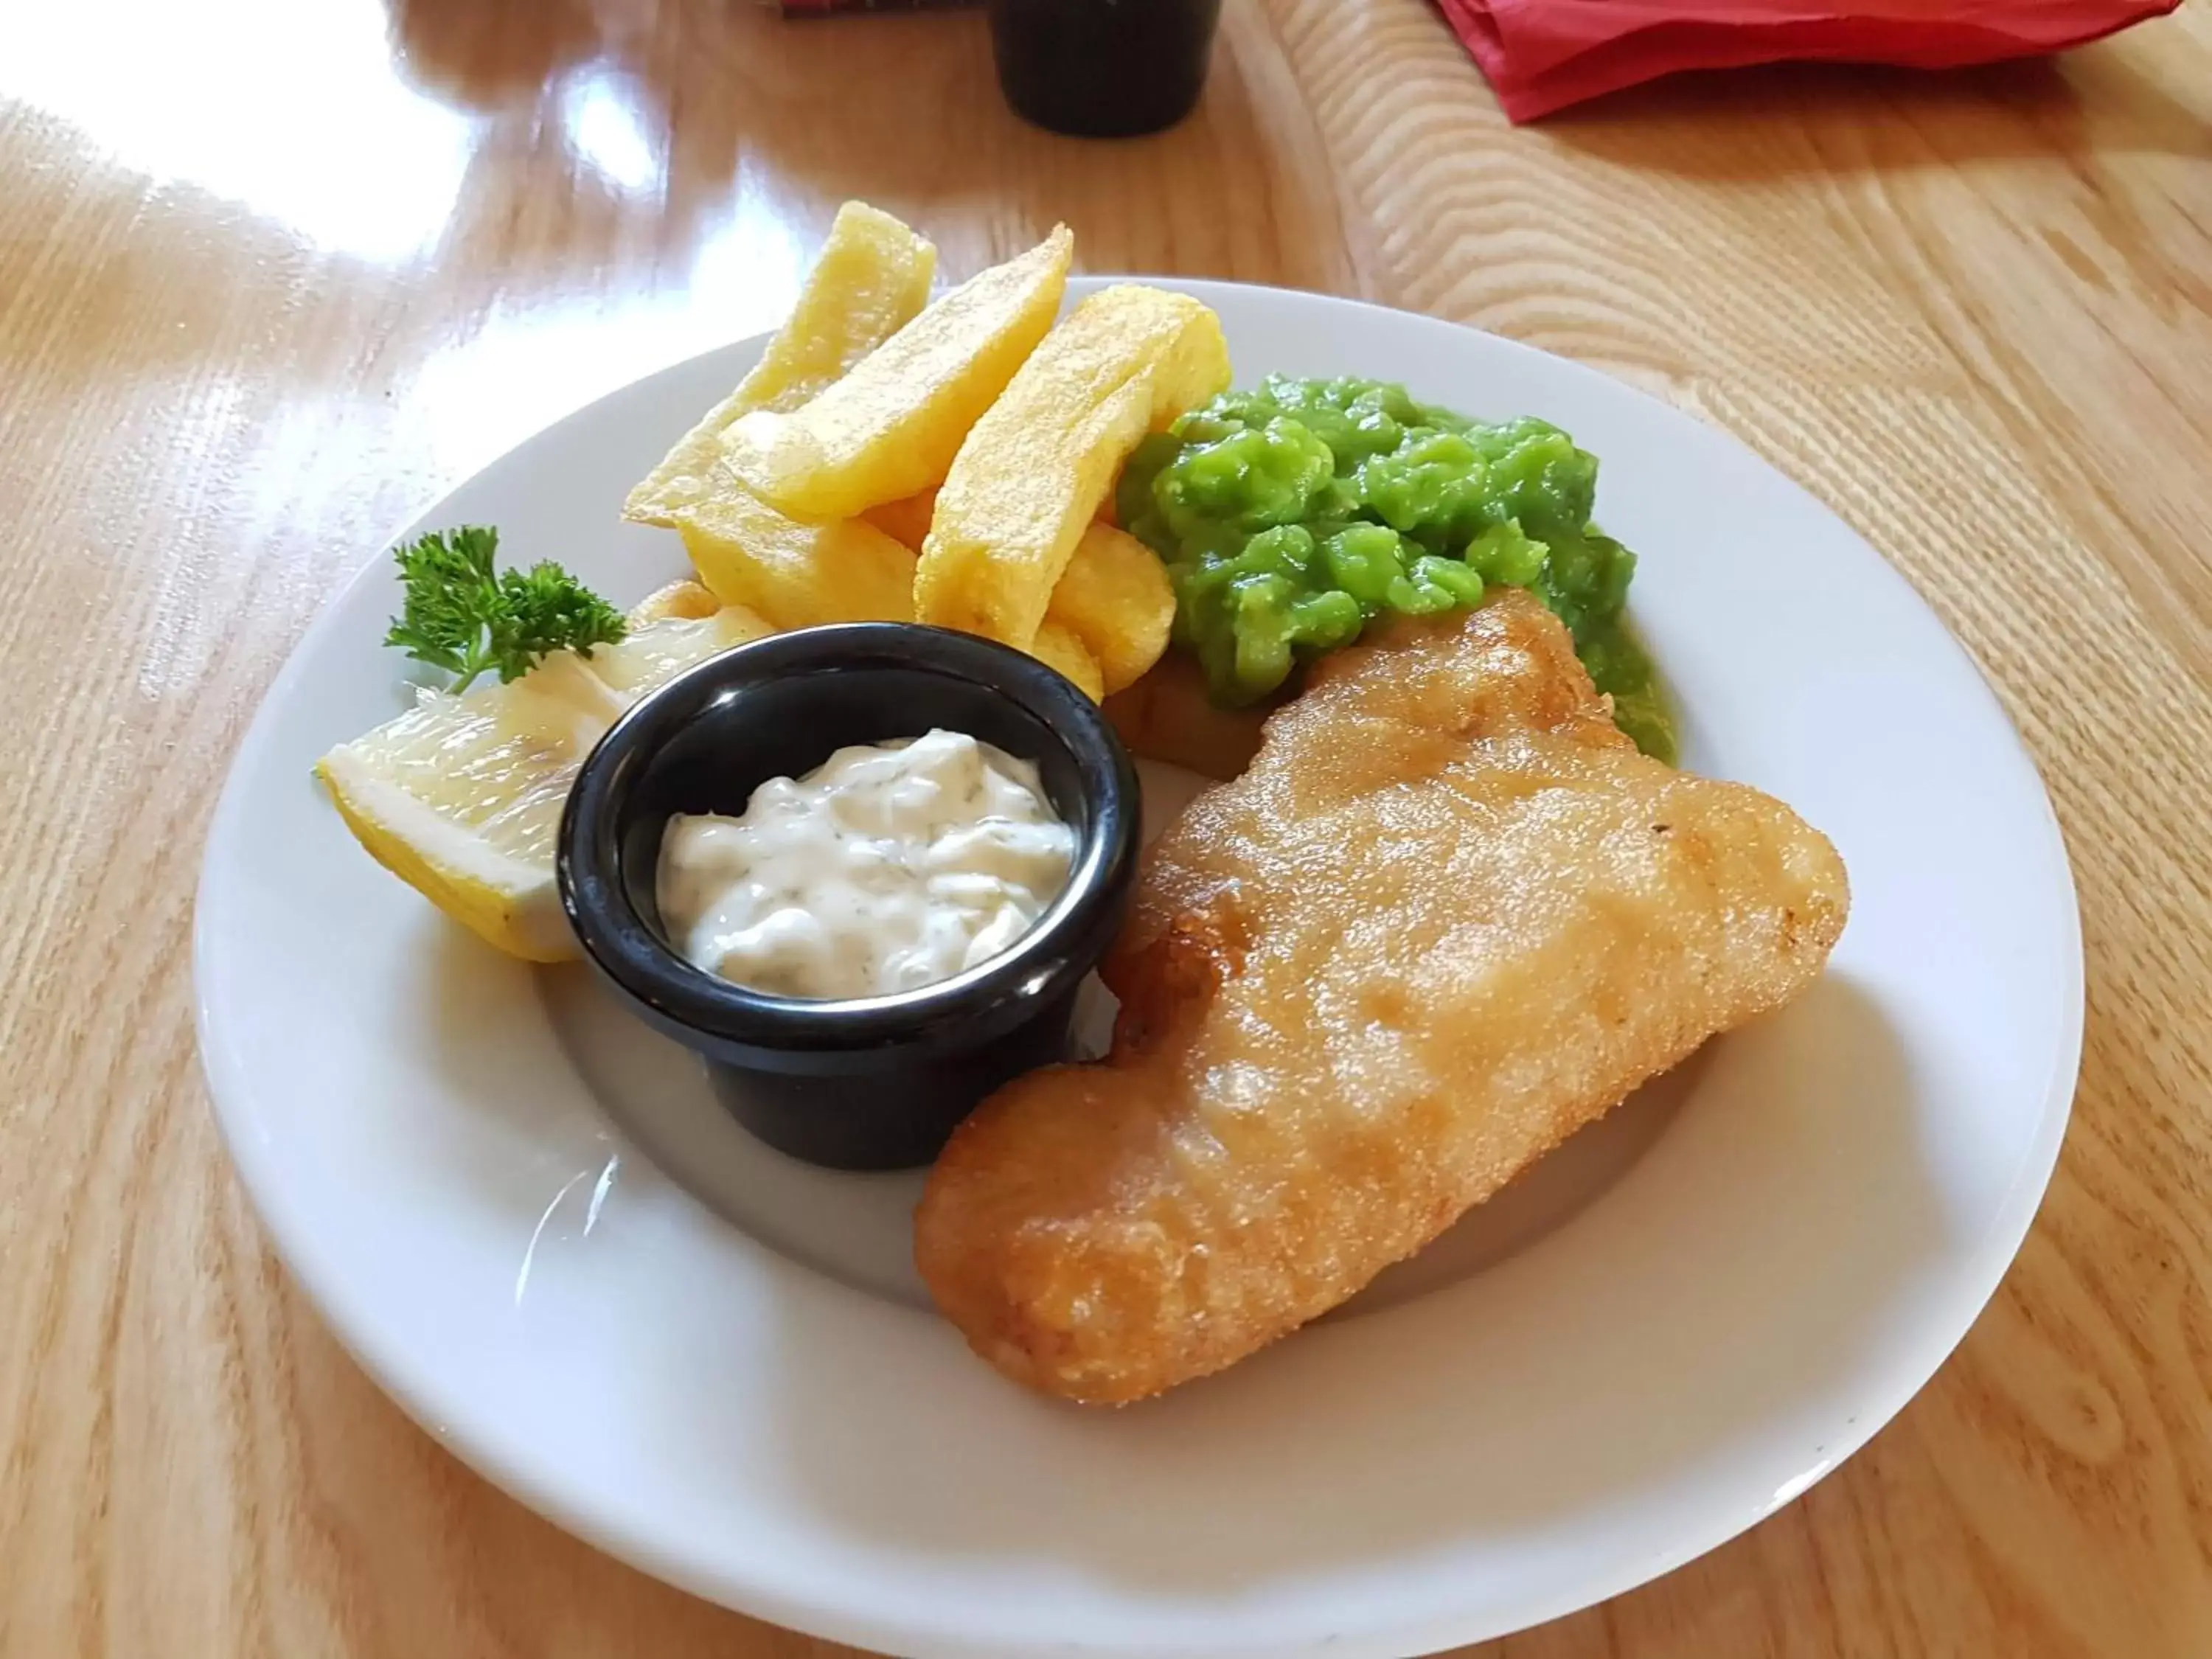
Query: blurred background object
x=803, y=7
x=1103, y=68
x=1092, y=68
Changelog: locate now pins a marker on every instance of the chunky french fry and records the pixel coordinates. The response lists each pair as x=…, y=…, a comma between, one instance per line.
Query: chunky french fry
x=891, y=428
x=1035, y=468
x=1115, y=596
x=1056, y=647
x=905, y=521
x=795, y=574
x=871, y=279
x=1108, y=619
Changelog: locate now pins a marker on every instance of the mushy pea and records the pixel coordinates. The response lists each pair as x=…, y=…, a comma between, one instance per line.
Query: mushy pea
x=1292, y=516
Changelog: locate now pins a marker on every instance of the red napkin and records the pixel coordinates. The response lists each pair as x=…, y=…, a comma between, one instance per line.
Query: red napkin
x=1541, y=55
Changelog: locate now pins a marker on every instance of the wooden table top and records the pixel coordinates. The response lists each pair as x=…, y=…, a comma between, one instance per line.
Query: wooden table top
x=273, y=276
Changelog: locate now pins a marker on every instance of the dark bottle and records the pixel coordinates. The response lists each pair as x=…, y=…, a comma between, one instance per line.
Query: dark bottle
x=1103, y=68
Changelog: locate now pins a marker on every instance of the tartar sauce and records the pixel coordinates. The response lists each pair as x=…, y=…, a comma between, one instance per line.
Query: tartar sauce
x=890, y=866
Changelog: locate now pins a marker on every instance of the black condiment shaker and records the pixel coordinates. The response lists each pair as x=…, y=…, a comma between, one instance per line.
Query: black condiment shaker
x=1103, y=68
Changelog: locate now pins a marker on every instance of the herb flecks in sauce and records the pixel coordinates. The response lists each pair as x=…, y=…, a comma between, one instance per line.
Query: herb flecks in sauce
x=888, y=867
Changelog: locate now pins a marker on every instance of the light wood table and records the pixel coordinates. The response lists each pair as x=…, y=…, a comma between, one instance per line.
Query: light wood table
x=273, y=274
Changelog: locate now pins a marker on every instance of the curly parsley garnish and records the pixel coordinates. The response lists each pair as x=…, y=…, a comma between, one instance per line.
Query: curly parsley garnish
x=462, y=616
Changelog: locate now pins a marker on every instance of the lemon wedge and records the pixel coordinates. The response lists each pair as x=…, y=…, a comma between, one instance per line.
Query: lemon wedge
x=460, y=797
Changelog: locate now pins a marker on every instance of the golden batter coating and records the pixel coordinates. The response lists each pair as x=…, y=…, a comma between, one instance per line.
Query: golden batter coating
x=1448, y=917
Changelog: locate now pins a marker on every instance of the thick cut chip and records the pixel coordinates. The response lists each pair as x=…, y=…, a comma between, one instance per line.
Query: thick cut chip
x=906, y=521
x=1057, y=647
x=891, y=428
x=795, y=575
x=1036, y=468
x=1116, y=597
x=871, y=279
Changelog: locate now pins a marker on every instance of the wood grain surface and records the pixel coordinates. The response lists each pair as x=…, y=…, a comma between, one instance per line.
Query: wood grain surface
x=272, y=276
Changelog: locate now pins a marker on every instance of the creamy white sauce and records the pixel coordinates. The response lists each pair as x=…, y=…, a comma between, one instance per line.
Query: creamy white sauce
x=890, y=866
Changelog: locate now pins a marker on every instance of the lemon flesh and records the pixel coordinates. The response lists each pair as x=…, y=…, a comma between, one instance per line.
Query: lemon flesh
x=461, y=797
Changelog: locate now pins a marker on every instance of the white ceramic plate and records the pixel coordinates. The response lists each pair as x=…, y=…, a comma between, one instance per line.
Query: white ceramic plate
x=715, y=1364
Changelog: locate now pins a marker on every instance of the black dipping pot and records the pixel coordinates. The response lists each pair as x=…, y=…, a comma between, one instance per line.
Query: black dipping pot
x=1103, y=68
x=876, y=1083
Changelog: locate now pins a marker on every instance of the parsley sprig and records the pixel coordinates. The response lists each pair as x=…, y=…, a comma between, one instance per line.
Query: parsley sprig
x=462, y=616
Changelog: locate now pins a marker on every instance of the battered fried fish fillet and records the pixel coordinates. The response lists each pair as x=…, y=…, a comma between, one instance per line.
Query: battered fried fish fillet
x=1448, y=917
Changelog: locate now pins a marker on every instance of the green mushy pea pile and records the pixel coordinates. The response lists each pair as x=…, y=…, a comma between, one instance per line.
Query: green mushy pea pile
x=1292, y=516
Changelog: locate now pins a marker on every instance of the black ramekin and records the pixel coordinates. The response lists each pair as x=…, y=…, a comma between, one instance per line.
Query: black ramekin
x=875, y=1083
